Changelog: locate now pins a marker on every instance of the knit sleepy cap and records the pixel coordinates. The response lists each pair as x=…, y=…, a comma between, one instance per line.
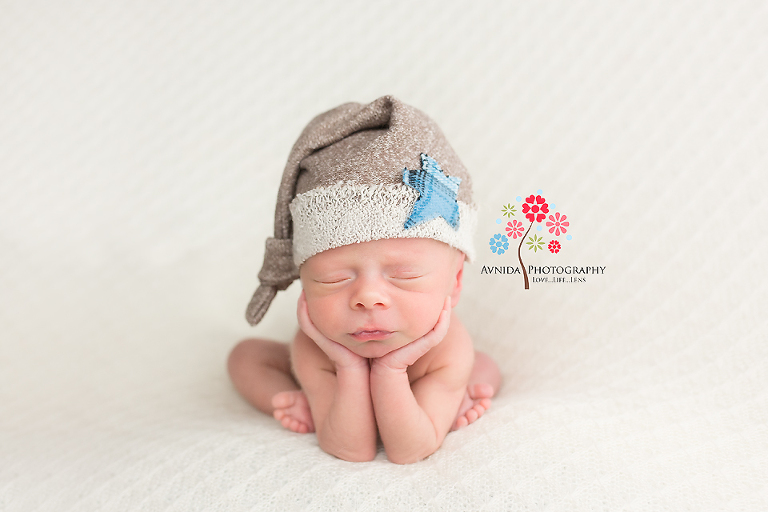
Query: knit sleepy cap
x=359, y=173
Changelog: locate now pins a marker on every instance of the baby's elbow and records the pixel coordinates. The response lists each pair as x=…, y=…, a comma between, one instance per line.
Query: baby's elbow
x=410, y=458
x=405, y=459
x=350, y=454
x=364, y=455
x=414, y=451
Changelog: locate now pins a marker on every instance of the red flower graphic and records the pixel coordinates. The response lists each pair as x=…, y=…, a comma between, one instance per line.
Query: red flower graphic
x=535, y=208
x=557, y=224
x=514, y=229
x=554, y=246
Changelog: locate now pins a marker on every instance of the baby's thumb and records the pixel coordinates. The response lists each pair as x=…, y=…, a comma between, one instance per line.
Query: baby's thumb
x=302, y=313
x=444, y=320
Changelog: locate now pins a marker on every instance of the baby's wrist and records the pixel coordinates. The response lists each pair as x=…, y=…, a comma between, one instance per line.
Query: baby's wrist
x=362, y=366
x=381, y=368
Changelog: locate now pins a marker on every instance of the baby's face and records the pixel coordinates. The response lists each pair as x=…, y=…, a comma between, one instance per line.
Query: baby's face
x=375, y=297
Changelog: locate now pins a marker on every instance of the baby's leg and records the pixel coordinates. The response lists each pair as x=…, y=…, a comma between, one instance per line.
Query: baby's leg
x=484, y=382
x=261, y=372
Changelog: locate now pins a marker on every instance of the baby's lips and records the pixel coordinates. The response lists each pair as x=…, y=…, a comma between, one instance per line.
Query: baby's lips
x=370, y=334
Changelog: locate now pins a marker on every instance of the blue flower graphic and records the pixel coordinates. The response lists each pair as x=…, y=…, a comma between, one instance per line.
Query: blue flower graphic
x=499, y=243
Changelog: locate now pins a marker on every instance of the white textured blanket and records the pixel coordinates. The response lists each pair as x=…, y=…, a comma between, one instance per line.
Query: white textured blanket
x=141, y=145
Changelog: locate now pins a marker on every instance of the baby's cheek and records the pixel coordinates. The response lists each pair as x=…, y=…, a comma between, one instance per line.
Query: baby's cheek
x=323, y=316
x=425, y=314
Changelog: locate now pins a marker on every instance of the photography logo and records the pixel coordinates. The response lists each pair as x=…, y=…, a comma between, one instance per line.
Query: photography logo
x=552, y=234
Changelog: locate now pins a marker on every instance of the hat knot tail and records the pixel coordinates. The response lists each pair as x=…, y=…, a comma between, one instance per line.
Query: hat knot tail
x=277, y=273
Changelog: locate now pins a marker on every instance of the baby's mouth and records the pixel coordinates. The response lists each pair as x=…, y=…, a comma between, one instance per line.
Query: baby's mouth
x=370, y=335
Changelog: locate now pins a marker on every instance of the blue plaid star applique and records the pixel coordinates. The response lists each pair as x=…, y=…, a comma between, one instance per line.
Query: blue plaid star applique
x=437, y=193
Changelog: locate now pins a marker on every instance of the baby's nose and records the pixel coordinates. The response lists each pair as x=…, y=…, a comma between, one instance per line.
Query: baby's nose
x=369, y=294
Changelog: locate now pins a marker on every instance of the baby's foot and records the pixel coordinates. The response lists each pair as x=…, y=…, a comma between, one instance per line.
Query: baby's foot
x=476, y=401
x=292, y=411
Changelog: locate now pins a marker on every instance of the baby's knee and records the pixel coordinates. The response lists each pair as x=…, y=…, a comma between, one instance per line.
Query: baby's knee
x=245, y=353
x=237, y=355
x=486, y=370
x=255, y=351
x=484, y=360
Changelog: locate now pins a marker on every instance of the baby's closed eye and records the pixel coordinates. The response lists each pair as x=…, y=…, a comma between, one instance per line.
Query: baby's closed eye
x=406, y=277
x=406, y=273
x=332, y=279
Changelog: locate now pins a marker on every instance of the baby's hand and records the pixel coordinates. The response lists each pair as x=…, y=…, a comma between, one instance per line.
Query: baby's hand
x=399, y=360
x=340, y=355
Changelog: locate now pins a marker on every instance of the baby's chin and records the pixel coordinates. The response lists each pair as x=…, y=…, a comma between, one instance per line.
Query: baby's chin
x=374, y=349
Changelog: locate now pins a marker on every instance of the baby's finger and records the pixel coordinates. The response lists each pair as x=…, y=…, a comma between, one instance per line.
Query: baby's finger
x=438, y=332
x=336, y=352
x=408, y=354
x=444, y=321
x=440, y=329
x=305, y=323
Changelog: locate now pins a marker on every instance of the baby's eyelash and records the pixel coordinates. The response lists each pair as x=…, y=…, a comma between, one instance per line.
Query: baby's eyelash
x=406, y=276
x=332, y=281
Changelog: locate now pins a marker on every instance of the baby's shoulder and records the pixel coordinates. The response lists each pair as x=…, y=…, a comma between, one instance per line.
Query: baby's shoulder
x=456, y=347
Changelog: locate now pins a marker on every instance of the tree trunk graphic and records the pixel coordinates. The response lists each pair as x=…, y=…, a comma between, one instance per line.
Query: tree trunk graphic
x=520, y=258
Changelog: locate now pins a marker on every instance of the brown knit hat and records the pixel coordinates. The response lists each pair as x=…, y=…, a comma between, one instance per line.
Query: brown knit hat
x=359, y=173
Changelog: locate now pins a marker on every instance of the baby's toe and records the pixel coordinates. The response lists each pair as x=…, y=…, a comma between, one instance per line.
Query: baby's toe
x=292, y=425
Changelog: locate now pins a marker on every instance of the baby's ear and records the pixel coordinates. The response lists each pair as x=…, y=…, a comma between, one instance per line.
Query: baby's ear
x=457, y=283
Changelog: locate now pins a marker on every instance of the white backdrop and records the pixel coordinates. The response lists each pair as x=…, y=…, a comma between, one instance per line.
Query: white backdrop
x=141, y=146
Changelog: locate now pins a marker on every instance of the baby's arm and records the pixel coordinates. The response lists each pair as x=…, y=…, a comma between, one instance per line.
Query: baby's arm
x=337, y=384
x=414, y=419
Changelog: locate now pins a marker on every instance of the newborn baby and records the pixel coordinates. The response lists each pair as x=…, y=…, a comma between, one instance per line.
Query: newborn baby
x=380, y=249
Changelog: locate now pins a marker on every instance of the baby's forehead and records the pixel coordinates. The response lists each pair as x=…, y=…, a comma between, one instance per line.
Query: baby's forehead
x=392, y=251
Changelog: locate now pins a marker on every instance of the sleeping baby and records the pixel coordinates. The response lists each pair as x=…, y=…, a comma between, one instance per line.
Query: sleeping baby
x=375, y=216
